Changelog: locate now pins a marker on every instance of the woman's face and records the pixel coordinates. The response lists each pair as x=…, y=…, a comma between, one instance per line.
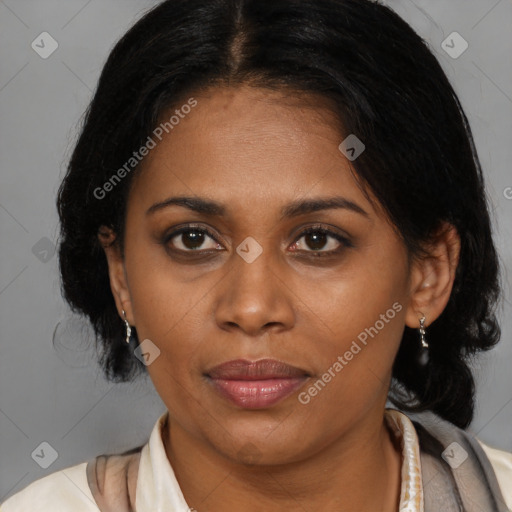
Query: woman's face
x=332, y=306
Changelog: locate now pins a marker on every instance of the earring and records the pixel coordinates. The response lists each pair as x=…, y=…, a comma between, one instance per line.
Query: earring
x=128, y=328
x=424, y=355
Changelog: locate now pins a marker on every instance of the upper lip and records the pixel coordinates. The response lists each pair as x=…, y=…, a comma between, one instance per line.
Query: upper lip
x=243, y=369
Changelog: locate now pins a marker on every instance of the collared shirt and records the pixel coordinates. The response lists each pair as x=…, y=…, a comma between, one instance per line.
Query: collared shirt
x=157, y=490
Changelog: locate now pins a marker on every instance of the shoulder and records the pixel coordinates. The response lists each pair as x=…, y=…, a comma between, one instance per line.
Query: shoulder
x=61, y=491
x=501, y=462
x=105, y=480
x=487, y=463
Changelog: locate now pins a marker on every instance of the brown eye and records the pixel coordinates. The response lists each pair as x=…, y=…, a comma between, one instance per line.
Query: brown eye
x=189, y=239
x=320, y=240
x=316, y=241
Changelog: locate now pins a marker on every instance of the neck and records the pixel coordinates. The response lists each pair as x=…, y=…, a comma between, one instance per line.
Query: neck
x=358, y=471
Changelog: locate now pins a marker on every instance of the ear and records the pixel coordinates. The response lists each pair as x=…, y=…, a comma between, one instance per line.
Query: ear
x=432, y=277
x=117, y=273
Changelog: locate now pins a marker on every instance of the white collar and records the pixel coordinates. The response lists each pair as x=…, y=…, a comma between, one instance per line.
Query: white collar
x=158, y=489
x=411, y=493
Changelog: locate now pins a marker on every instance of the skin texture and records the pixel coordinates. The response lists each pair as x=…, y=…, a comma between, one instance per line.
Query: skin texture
x=255, y=151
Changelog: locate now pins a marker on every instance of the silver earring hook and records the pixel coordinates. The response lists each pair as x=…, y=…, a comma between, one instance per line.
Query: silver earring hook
x=424, y=356
x=128, y=328
x=424, y=343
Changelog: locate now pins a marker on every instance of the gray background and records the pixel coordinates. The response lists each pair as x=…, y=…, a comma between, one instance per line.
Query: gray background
x=57, y=394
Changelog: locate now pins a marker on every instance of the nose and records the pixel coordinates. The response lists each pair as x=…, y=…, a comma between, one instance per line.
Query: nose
x=254, y=297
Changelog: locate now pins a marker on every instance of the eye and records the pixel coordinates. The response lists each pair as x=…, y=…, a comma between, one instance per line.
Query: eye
x=192, y=238
x=317, y=241
x=320, y=241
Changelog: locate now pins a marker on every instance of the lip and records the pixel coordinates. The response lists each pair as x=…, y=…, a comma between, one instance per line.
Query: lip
x=256, y=384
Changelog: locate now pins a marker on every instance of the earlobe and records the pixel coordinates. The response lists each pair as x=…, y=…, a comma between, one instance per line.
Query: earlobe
x=432, y=277
x=116, y=271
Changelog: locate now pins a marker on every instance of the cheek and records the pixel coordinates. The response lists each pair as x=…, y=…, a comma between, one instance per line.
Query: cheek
x=167, y=311
x=363, y=290
x=361, y=314
x=171, y=314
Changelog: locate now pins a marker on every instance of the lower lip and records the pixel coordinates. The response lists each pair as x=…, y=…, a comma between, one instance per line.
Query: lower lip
x=257, y=394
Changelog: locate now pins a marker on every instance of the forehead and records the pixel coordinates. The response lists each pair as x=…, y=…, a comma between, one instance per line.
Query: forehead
x=246, y=147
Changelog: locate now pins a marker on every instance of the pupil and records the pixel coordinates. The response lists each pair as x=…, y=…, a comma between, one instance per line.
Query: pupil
x=317, y=239
x=189, y=238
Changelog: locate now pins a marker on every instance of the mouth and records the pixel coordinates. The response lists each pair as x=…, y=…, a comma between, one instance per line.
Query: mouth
x=256, y=384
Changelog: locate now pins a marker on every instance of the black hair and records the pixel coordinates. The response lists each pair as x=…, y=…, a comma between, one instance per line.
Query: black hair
x=384, y=85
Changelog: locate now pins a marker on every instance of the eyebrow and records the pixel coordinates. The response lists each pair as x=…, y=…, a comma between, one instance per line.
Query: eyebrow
x=294, y=209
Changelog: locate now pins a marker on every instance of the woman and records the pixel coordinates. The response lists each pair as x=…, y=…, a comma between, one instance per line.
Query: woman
x=275, y=208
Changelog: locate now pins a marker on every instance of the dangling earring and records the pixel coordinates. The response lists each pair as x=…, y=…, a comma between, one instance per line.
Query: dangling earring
x=128, y=328
x=424, y=355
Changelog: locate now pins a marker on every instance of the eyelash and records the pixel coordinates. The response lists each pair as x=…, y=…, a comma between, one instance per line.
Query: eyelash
x=310, y=229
